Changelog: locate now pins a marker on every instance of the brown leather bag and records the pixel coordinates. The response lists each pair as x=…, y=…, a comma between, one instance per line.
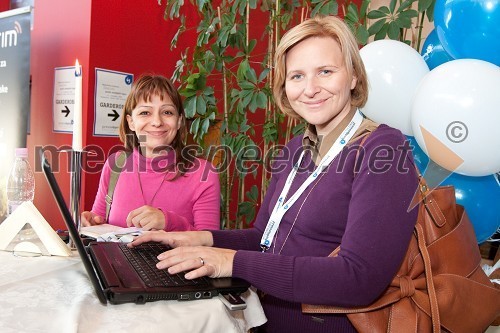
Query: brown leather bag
x=440, y=285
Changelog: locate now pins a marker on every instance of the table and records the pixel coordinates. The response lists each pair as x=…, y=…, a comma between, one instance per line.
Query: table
x=53, y=294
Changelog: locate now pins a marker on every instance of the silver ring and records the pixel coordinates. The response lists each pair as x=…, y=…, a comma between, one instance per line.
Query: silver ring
x=202, y=261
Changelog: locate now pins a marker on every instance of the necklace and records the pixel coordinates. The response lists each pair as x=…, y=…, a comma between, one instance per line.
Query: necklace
x=155, y=193
x=296, y=216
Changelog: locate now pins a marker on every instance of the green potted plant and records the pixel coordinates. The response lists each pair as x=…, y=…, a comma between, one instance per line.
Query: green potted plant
x=225, y=79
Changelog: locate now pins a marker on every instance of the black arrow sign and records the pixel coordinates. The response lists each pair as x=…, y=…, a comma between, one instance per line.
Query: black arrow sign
x=65, y=111
x=115, y=115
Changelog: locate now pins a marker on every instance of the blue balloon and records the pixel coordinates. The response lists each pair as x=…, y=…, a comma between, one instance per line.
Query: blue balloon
x=433, y=52
x=479, y=195
x=469, y=28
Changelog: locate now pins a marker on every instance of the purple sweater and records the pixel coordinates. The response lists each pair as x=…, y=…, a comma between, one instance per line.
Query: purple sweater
x=366, y=213
x=190, y=202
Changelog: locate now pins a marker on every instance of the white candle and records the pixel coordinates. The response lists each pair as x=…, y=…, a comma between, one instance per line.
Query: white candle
x=77, y=109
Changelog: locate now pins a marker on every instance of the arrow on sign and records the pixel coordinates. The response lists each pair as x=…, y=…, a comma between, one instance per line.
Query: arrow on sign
x=65, y=111
x=115, y=115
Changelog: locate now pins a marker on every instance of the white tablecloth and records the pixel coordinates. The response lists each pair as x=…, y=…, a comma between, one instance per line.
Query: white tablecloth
x=53, y=294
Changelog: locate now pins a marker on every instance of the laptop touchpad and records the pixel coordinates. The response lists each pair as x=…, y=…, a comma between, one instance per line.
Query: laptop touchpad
x=116, y=269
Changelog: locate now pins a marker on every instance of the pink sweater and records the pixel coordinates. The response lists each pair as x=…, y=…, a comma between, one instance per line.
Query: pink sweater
x=190, y=202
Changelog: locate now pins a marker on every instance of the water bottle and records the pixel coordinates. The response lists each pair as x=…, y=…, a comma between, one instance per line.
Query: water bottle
x=21, y=186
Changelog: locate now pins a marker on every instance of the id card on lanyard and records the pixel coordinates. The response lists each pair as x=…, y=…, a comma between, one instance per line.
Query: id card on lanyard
x=282, y=206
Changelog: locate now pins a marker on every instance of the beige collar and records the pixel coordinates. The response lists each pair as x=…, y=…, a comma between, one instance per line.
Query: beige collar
x=319, y=145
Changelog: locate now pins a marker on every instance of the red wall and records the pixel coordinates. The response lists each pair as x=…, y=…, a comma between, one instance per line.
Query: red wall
x=122, y=35
x=134, y=39
x=60, y=35
x=4, y=5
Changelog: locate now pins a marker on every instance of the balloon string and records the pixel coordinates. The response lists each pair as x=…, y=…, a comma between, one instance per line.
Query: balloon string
x=495, y=236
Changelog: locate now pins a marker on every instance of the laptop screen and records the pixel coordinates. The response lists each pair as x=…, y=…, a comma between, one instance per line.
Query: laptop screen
x=68, y=220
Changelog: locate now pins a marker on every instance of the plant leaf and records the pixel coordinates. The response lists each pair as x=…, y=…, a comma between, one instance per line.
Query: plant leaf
x=173, y=8
x=246, y=85
x=405, y=4
x=201, y=106
x=190, y=107
x=409, y=13
x=204, y=126
x=392, y=5
x=352, y=13
x=251, y=75
x=264, y=74
x=243, y=68
x=403, y=22
x=247, y=210
x=245, y=101
x=430, y=12
x=299, y=128
x=393, y=31
x=194, y=126
x=424, y=5
x=376, y=14
x=201, y=4
x=364, y=8
x=252, y=106
x=382, y=32
x=324, y=7
x=261, y=100
x=362, y=35
x=375, y=27
x=253, y=194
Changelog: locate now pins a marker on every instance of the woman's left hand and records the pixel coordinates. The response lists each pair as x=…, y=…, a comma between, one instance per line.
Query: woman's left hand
x=147, y=218
x=198, y=261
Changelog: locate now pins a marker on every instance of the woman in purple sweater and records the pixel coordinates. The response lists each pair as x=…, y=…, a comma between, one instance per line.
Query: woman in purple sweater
x=160, y=186
x=326, y=190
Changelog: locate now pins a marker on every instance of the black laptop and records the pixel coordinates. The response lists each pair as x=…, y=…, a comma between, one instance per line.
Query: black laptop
x=129, y=275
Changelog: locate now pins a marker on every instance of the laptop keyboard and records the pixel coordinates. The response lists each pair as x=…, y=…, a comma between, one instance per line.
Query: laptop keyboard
x=143, y=259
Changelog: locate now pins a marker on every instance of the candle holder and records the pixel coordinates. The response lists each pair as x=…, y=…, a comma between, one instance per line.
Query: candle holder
x=75, y=190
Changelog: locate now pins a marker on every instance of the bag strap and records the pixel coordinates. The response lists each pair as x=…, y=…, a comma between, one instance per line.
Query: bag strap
x=119, y=164
x=424, y=197
x=431, y=291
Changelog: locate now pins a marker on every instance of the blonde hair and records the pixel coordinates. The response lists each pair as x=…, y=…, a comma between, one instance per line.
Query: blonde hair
x=320, y=26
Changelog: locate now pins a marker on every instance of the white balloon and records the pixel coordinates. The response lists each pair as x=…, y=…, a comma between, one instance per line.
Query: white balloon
x=458, y=103
x=394, y=71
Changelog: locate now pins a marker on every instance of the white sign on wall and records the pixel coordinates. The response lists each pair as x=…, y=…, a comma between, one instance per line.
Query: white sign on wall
x=111, y=91
x=64, y=99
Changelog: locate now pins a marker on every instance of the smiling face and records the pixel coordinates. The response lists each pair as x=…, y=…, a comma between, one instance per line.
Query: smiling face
x=317, y=83
x=155, y=123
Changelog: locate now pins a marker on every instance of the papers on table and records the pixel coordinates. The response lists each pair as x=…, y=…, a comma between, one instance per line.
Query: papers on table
x=111, y=233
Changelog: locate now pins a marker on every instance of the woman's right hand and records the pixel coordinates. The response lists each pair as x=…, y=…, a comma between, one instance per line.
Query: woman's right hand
x=89, y=218
x=176, y=239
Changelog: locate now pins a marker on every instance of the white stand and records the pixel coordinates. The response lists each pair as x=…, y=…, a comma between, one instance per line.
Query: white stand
x=27, y=213
x=75, y=190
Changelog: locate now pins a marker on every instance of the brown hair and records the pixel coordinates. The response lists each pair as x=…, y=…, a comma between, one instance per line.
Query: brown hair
x=142, y=90
x=320, y=26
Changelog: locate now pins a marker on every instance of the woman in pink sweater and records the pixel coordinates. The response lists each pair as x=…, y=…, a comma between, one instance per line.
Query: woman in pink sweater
x=161, y=185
